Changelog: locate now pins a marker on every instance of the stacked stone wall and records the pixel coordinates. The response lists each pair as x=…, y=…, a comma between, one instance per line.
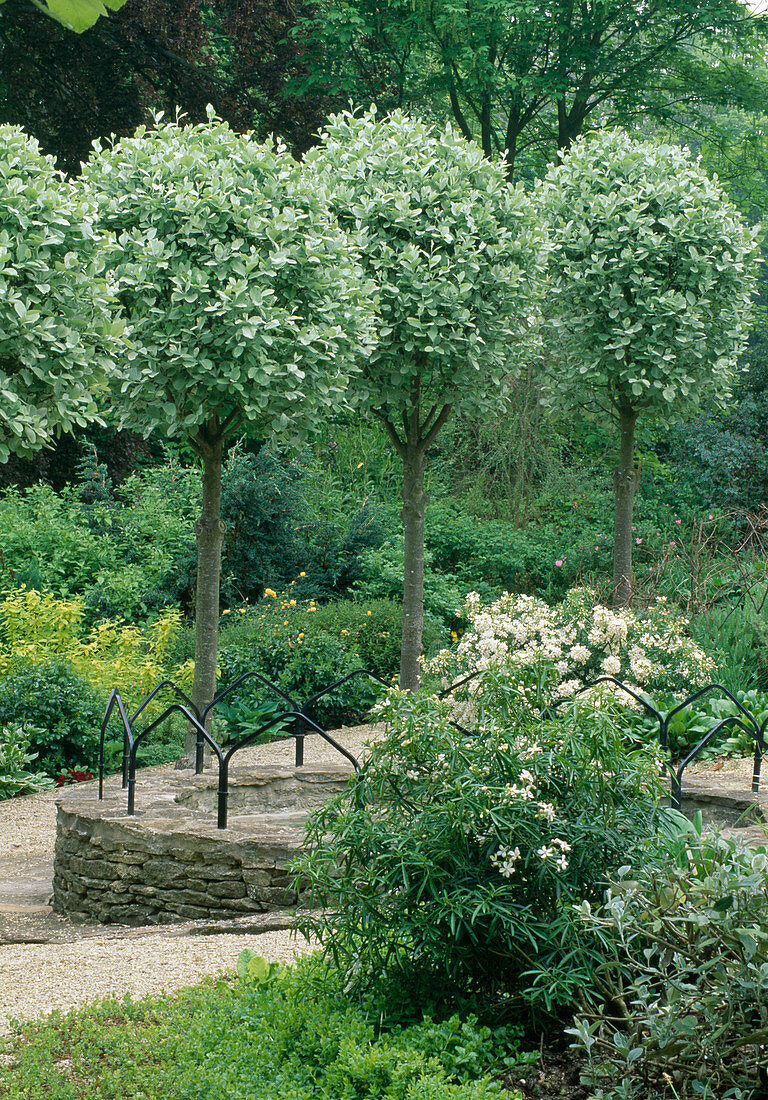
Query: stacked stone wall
x=170, y=863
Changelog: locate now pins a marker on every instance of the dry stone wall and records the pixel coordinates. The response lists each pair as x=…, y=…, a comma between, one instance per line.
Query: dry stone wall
x=170, y=862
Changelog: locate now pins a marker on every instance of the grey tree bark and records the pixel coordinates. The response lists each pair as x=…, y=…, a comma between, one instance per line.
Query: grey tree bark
x=209, y=530
x=414, y=506
x=626, y=480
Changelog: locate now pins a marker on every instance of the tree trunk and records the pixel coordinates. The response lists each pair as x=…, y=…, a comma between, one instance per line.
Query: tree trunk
x=625, y=483
x=414, y=506
x=209, y=530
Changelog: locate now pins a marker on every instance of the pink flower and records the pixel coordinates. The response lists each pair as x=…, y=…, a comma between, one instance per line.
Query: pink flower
x=597, y=548
x=638, y=541
x=673, y=543
x=678, y=521
x=559, y=562
x=710, y=516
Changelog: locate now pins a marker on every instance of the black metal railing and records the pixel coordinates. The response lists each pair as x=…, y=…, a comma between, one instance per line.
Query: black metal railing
x=751, y=727
x=303, y=726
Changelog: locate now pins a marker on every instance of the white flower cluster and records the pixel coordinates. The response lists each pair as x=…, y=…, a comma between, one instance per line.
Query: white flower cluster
x=556, y=852
x=575, y=641
x=522, y=792
x=504, y=860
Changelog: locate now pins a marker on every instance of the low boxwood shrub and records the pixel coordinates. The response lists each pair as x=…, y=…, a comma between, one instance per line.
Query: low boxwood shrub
x=451, y=866
x=685, y=976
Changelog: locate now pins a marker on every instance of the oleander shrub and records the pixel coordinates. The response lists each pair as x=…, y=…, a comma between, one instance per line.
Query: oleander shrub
x=451, y=866
x=559, y=649
x=685, y=976
x=15, y=761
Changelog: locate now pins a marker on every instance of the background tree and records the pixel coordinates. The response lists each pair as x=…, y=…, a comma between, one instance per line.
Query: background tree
x=242, y=304
x=455, y=253
x=651, y=277
x=152, y=55
x=522, y=77
x=56, y=327
x=76, y=15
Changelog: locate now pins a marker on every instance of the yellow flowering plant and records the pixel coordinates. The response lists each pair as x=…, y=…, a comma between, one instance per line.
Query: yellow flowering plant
x=37, y=626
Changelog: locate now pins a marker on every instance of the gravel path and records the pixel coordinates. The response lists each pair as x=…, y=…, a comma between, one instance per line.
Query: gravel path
x=90, y=961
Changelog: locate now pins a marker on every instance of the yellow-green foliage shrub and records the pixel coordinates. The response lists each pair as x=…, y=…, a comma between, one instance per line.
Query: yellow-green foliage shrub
x=38, y=626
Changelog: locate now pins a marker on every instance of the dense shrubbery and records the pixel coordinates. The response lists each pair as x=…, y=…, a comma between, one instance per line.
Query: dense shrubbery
x=61, y=711
x=685, y=976
x=450, y=868
x=303, y=647
x=116, y=553
x=55, y=674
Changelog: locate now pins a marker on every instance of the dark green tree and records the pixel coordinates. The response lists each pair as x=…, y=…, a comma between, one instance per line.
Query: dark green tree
x=518, y=76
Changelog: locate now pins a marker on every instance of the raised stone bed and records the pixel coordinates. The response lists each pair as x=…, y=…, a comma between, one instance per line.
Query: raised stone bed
x=727, y=803
x=169, y=862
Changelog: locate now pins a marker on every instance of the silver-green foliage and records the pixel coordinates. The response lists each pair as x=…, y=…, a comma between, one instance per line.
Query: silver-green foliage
x=15, y=758
x=651, y=276
x=56, y=327
x=685, y=976
x=456, y=254
x=240, y=292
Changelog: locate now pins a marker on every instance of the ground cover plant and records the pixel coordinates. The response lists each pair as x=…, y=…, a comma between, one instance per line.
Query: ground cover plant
x=278, y=1033
x=15, y=760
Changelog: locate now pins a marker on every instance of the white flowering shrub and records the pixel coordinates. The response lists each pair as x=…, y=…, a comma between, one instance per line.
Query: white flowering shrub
x=559, y=649
x=452, y=864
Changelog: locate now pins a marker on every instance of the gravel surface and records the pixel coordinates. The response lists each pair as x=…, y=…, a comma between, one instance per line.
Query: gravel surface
x=94, y=962
x=37, y=978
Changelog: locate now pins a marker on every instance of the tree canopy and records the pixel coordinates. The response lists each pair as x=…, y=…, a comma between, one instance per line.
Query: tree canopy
x=650, y=284
x=519, y=76
x=57, y=334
